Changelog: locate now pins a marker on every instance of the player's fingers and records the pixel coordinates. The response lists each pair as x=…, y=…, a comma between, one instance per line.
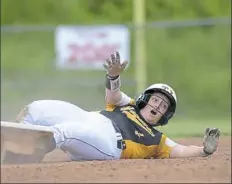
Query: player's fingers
x=207, y=131
x=105, y=66
x=117, y=58
x=113, y=59
x=123, y=65
x=218, y=134
x=213, y=131
x=108, y=62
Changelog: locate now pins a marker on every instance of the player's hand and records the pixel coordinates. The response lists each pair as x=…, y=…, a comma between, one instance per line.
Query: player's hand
x=113, y=66
x=210, y=140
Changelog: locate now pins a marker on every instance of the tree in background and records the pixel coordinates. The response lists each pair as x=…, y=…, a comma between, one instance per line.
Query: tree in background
x=106, y=11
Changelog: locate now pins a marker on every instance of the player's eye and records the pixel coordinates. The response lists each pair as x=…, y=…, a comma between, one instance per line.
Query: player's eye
x=164, y=106
x=155, y=99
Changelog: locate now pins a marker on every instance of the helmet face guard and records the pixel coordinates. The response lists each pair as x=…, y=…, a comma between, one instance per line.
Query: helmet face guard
x=143, y=99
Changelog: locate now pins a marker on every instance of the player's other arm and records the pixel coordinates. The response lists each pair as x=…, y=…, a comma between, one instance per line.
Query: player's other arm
x=113, y=81
x=170, y=149
x=210, y=143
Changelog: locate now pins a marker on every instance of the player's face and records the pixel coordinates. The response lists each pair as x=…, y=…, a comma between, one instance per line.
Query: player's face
x=157, y=106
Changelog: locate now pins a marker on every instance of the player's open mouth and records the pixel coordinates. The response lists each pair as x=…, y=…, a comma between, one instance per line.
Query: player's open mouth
x=153, y=112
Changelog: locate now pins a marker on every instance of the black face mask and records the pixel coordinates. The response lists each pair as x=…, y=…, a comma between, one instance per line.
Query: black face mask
x=157, y=108
x=143, y=101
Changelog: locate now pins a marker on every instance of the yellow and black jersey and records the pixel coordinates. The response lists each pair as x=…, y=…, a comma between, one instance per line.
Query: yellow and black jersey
x=141, y=141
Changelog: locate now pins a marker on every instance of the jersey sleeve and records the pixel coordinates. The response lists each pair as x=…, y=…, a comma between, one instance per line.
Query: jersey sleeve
x=124, y=101
x=165, y=147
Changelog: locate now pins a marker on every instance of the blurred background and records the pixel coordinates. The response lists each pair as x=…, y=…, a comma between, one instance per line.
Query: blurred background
x=184, y=43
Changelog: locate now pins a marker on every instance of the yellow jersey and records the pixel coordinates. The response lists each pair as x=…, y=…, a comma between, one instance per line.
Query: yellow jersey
x=141, y=140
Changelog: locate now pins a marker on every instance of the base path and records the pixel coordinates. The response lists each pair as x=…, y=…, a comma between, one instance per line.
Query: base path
x=56, y=168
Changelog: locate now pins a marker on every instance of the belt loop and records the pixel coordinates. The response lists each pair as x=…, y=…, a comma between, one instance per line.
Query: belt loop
x=121, y=144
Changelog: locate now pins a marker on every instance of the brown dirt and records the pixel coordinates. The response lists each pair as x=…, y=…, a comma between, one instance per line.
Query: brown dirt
x=55, y=168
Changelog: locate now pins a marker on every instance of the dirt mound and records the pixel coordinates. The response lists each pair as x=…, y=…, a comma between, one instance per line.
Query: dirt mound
x=56, y=168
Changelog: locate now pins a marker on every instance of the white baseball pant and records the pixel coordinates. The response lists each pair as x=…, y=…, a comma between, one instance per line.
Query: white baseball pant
x=81, y=134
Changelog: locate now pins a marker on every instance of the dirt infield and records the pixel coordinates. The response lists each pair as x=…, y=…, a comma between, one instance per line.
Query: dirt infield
x=56, y=168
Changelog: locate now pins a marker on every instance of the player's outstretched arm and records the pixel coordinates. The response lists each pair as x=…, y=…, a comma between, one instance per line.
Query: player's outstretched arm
x=210, y=143
x=114, y=68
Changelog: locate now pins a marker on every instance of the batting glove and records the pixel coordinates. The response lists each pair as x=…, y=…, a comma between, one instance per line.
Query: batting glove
x=114, y=66
x=210, y=140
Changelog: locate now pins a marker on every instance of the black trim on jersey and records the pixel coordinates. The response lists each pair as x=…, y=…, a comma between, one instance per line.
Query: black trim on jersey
x=132, y=128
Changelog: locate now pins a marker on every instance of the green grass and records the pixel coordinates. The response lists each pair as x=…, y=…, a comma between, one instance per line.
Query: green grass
x=178, y=128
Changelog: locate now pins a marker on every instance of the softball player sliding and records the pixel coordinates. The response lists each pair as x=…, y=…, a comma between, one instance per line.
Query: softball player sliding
x=125, y=129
